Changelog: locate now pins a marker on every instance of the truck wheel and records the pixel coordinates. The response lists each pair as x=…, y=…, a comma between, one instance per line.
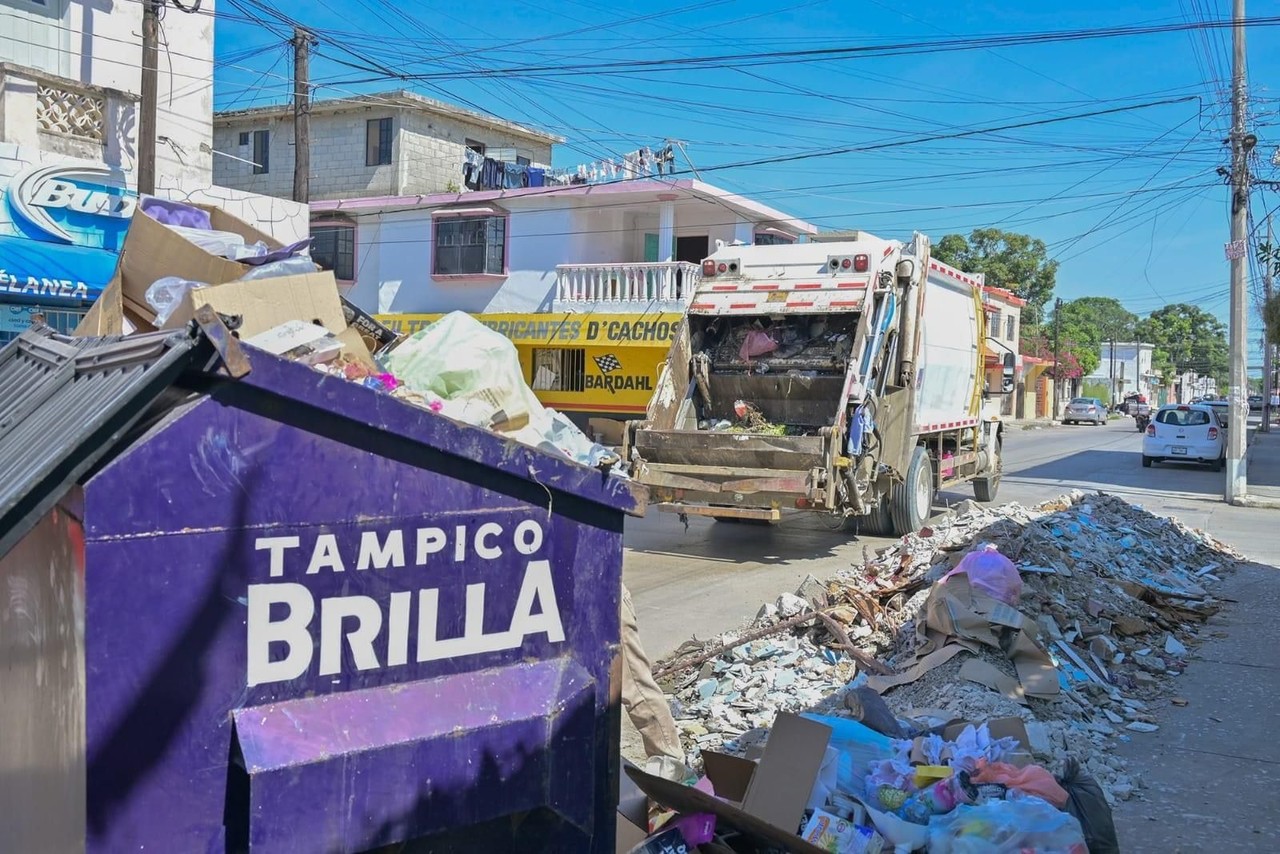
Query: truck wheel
x=985, y=488
x=911, y=502
x=877, y=523
x=1147, y=461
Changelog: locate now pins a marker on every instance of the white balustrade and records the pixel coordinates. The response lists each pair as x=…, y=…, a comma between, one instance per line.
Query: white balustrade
x=638, y=284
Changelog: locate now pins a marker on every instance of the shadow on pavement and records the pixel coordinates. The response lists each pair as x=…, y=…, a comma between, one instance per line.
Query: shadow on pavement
x=800, y=536
x=1124, y=469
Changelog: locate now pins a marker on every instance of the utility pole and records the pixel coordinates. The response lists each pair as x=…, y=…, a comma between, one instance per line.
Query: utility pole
x=1237, y=475
x=1112, y=401
x=301, y=115
x=1057, y=354
x=1265, y=427
x=150, y=94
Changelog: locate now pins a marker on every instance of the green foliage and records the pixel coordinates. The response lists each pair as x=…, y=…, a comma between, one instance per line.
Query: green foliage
x=1271, y=319
x=1075, y=360
x=1187, y=338
x=1016, y=262
x=1099, y=390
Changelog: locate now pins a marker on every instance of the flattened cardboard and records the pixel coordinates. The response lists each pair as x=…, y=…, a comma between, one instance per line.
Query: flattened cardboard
x=986, y=673
x=609, y=430
x=922, y=666
x=267, y=303
x=633, y=813
x=377, y=336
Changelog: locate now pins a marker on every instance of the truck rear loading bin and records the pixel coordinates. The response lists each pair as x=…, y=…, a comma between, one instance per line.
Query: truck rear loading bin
x=251, y=607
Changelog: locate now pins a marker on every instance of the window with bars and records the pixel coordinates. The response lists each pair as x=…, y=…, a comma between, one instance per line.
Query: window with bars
x=1009, y=324
x=333, y=247
x=559, y=369
x=470, y=245
x=377, y=142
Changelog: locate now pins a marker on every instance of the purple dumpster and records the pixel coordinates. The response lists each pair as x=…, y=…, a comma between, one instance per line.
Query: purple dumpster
x=251, y=607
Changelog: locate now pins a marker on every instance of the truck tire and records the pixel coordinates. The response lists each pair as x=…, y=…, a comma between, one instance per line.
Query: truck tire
x=986, y=487
x=877, y=523
x=911, y=502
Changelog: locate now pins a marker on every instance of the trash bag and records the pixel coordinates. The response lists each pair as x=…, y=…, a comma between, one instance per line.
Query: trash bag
x=1087, y=802
x=859, y=746
x=166, y=293
x=1006, y=827
x=992, y=573
x=757, y=343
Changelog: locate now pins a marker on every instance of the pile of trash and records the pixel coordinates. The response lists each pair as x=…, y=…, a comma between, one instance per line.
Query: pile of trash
x=993, y=648
x=805, y=345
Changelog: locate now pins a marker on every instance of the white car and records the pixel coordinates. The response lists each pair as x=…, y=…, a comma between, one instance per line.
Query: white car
x=1189, y=432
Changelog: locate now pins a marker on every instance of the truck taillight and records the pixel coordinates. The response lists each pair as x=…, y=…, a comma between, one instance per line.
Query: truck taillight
x=861, y=263
x=845, y=264
x=1213, y=432
x=1151, y=430
x=708, y=268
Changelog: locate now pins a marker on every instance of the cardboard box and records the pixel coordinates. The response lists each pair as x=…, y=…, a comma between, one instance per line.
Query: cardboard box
x=606, y=431
x=765, y=801
x=266, y=303
x=299, y=341
x=633, y=813
x=152, y=251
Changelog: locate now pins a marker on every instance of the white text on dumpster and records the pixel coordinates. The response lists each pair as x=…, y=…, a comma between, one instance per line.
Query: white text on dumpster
x=370, y=627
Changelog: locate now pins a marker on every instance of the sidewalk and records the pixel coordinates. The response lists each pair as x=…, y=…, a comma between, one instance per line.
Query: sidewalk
x=1264, y=466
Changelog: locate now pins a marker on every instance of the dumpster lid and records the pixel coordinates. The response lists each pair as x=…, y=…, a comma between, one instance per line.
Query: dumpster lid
x=64, y=404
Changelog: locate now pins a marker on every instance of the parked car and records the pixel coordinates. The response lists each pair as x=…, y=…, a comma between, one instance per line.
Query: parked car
x=1222, y=409
x=1188, y=432
x=1088, y=409
x=1255, y=403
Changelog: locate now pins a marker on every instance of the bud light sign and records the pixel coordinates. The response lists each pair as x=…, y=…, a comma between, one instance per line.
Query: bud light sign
x=62, y=224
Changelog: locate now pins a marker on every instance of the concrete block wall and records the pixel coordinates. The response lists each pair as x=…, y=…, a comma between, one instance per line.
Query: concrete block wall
x=426, y=156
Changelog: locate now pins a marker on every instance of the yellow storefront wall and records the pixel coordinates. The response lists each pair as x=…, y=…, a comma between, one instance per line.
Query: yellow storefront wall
x=622, y=353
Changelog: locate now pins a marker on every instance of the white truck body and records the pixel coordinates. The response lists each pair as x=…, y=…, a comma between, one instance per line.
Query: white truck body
x=872, y=373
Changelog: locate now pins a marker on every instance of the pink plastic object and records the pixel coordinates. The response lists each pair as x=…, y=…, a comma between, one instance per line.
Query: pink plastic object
x=757, y=343
x=992, y=573
x=947, y=469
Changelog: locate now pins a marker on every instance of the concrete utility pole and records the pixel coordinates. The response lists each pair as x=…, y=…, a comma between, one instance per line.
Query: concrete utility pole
x=1267, y=354
x=1237, y=475
x=1057, y=354
x=150, y=94
x=301, y=115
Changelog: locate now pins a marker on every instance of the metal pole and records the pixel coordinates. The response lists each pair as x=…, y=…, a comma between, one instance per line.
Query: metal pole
x=301, y=115
x=1057, y=351
x=1265, y=427
x=1237, y=476
x=147, y=108
x=1112, y=402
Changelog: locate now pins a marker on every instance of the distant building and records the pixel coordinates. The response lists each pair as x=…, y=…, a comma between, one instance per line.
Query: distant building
x=1126, y=370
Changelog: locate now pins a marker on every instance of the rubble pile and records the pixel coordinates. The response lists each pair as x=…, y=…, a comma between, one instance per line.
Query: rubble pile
x=1110, y=599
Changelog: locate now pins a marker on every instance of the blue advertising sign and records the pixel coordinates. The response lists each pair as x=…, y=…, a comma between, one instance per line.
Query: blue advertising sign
x=62, y=226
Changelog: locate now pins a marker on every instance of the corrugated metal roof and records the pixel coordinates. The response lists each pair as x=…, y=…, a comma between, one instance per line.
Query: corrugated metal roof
x=64, y=403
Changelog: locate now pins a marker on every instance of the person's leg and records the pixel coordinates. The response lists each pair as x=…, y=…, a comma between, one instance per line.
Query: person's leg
x=644, y=701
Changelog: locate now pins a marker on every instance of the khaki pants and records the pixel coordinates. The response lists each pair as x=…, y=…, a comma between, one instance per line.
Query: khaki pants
x=644, y=701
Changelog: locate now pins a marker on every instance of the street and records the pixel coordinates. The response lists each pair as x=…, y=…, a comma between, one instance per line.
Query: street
x=713, y=576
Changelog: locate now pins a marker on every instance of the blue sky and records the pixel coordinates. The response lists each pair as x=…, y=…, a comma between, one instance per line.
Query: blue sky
x=1129, y=203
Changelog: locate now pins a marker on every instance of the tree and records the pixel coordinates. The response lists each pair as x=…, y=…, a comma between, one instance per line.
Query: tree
x=1187, y=338
x=1076, y=360
x=1015, y=262
x=1097, y=320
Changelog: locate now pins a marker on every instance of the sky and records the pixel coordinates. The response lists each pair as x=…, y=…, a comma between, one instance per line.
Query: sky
x=1129, y=203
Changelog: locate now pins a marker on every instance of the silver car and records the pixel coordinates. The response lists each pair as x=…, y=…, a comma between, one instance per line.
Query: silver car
x=1085, y=409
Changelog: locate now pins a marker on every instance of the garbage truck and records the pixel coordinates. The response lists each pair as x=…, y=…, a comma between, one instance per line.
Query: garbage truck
x=842, y=378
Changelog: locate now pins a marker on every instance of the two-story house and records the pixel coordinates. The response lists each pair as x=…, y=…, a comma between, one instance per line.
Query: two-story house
x=422, y=208
x=1026, y=390
x=70, y=93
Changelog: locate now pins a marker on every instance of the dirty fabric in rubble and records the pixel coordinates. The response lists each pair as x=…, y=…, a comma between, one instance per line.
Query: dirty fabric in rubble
x=1113, y=599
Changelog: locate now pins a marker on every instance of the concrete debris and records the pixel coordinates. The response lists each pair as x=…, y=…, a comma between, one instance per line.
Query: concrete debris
x=1101, y=578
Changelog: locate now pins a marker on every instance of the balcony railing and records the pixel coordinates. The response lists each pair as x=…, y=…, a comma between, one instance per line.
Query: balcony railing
x=639, y=284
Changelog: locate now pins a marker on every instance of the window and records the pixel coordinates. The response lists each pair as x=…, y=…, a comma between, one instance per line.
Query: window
x=477, y=147
x=470, y=245
x=261, y=152
x=244, y=137
x=523, y=161
x=333, y=247
x=767, y=238
x=1008, y=327
x=559, y=369
x=377, y=142
x=1183, y=418
x=993, y=323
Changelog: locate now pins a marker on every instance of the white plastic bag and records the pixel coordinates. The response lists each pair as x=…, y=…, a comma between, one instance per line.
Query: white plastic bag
x=222, y=243
x=294, y=265
x=165, y=294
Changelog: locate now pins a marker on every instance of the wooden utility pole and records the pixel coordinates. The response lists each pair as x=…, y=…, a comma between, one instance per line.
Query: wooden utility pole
x=1237, y=479
x=301, y=115
x=147, y=108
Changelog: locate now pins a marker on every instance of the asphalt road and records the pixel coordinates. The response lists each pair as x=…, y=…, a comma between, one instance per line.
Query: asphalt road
x=711, y=577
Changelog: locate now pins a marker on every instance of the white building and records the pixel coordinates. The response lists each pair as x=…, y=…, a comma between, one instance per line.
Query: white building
x=388, y=144
x=623, y=247
x=70, y=92
x=1129, y=371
